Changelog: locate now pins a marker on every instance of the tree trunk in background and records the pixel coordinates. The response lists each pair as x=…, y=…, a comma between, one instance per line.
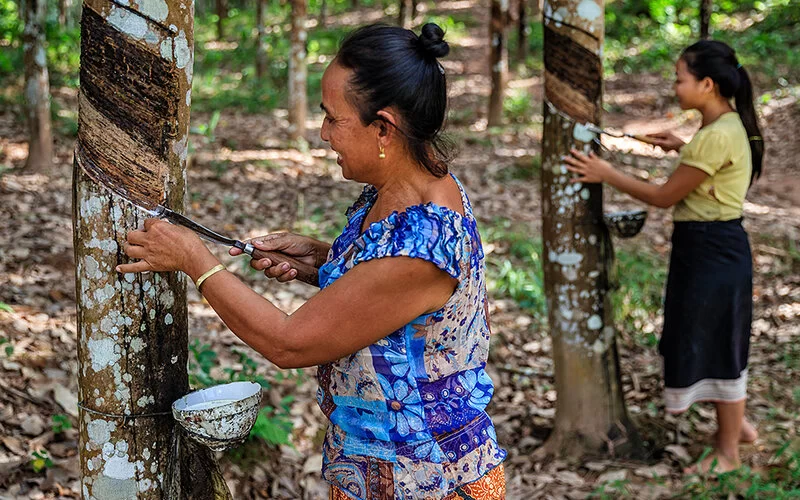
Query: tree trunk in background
x=63, y=11
x=261, y=47
x=222, y=14
x=706, y=6
x=298, y=73
x=406, y=14
x=354, y=3
x=523, y=30
x=135, y=81
x=590, y=411
x=37, y=87
x=498, y=59
x=323, y=13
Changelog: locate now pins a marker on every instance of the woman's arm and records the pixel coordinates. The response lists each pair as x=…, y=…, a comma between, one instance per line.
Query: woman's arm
x=593, y=169
x=369, y=302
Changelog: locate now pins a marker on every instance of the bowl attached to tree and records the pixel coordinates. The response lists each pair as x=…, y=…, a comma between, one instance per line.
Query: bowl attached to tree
x=221, y=416
x=625, y=224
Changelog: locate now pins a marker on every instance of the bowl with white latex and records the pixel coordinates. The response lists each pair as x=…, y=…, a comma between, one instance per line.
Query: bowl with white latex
x=220, y=417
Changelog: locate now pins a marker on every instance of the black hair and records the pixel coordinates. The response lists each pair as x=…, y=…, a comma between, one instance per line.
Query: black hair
x=716, y=60
x=392, y=66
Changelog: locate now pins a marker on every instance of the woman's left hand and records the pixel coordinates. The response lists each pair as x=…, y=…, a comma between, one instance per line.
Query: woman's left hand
x=590, y=169
x=160, y=246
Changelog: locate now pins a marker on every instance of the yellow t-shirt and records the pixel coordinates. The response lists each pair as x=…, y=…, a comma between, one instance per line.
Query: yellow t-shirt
x=721, y=150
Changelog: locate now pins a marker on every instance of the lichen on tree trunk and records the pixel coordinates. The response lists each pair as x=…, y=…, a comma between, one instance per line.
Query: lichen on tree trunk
x=590, y=411
x=136, y=72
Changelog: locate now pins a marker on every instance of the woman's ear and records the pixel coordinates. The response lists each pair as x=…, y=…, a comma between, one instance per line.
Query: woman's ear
x=708, y=85
x=387, y=123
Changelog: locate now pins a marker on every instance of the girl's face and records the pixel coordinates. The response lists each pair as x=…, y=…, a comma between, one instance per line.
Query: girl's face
x=356, y=145
x=691, y=92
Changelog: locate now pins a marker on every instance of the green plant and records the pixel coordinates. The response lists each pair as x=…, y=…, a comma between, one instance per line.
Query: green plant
x=40, y=460
x=5, y=307
x=9, y=349
x=60, y=423
x=642, y=276
x=273, y=425
x=207, y=129
x=612, y=490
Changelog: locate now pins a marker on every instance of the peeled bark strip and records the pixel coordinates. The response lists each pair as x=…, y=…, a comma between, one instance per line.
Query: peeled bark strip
x=590, y=411
x=136, y=73
x=37, y=87
x=298, y=72
x=498, y=60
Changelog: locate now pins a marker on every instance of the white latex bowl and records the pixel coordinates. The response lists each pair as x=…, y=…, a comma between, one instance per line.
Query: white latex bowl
x=219, y=417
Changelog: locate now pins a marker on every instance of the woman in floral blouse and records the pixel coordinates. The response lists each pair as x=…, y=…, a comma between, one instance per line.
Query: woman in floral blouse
x=400, y=328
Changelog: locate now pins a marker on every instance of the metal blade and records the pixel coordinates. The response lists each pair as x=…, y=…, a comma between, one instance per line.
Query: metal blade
x=176, y=218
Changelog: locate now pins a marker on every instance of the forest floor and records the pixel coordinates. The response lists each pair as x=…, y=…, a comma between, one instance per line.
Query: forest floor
x=250, y=181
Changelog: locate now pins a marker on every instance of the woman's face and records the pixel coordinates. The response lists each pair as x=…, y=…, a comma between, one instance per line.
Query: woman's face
x=356, y=145
x=691, y=92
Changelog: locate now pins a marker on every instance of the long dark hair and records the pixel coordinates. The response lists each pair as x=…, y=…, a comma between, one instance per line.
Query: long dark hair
x=393, y=66
x=716, y=60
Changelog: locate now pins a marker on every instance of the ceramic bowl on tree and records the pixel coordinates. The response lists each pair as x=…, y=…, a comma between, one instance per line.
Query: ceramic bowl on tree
x=625, y=224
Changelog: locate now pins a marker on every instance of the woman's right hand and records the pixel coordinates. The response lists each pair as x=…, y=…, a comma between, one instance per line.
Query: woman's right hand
x=306, y=250
x=665, y=140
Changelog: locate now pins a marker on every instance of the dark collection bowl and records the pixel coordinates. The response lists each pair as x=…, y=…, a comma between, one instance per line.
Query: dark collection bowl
x=625, y=224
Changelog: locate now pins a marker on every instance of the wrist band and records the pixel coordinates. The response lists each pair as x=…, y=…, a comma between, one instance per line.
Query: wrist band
x=211, y=272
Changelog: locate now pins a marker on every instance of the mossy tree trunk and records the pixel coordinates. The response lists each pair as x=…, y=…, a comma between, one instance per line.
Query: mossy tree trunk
x=135, y=81
x=591, y=417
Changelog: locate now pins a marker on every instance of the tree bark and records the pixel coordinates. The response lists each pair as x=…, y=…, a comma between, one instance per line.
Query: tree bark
x=37, y=87
x=261, y=46
x=135, y=83
x=298, y=72
x=323, y=13
x=406, y=15
x=591, y=417
x=222, y=14
x=498, y=59
x=522, y=30
x=706, y=6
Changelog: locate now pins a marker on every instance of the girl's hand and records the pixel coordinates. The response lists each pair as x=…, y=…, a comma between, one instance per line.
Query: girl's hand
x=665, y=140
x=306, y=250
x=160, y=246
x=590, y=169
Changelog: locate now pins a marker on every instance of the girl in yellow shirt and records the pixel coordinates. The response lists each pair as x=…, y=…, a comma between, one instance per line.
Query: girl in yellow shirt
x=708, y=305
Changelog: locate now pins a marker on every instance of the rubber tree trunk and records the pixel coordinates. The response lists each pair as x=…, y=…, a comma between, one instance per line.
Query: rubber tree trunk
x=261, y=45
x=706, y=6
x=323, y=13
x=298, y=72
x=37, y=87
x=590, y=411
x=498, y=59
x=135, y=81
x=406, y=15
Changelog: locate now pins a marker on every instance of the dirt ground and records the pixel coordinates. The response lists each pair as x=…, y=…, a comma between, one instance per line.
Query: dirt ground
x=266, y=186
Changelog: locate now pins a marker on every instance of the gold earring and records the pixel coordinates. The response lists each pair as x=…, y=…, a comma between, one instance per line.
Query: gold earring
x=382, y=155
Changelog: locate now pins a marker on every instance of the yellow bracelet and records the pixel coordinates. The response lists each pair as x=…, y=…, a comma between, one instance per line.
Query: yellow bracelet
x=211, y=272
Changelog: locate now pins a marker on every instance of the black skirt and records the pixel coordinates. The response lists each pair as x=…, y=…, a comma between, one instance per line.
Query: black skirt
x=707, y=314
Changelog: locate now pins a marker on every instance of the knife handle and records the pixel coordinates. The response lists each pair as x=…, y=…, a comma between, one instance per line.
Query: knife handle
x=305, y=272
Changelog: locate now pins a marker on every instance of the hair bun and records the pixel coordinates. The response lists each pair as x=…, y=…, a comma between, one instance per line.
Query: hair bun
x=432, y=42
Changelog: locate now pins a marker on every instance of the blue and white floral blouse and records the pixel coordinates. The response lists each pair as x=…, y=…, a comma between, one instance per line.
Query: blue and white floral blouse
x=407, y=417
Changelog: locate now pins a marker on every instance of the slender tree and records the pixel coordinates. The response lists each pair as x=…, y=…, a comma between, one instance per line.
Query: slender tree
x=37, y=87
x=498, y=59
x=261, y=46
x=298, y=72
x=590, y=412
x=406, y=14
x=135, y=84
x=222, y=15
x=706, y=6
x=523, y=30
x=323, y=12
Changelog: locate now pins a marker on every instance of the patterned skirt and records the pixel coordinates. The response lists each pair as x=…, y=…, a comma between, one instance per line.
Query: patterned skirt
x=492, y=486
x=707, y=314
